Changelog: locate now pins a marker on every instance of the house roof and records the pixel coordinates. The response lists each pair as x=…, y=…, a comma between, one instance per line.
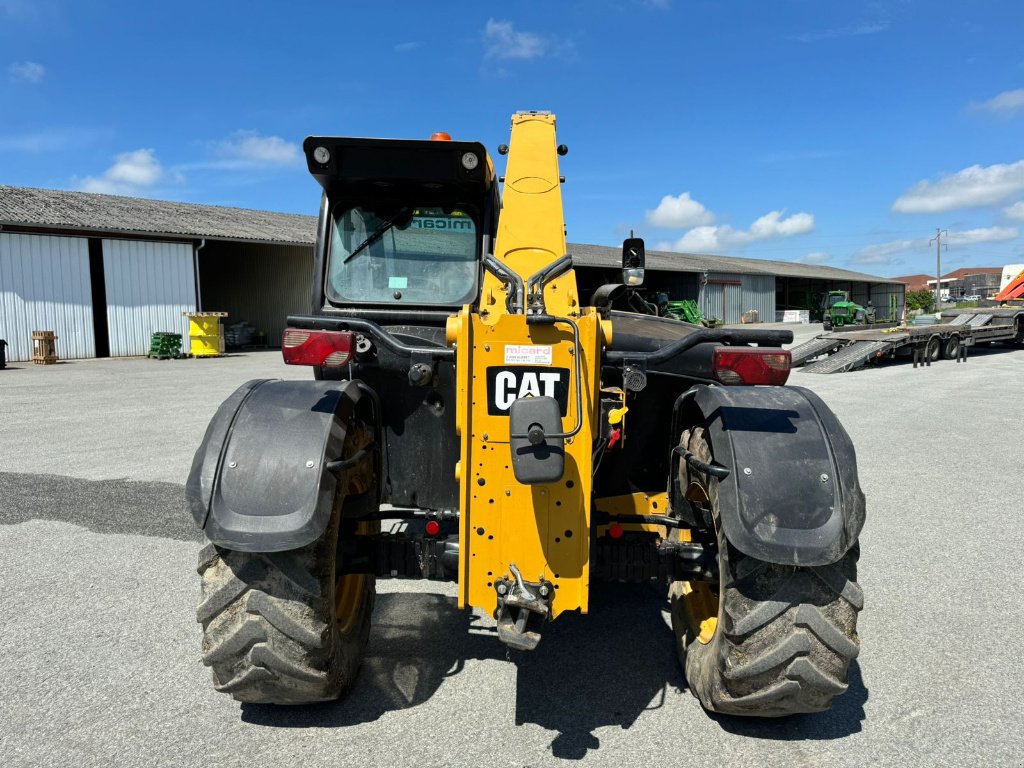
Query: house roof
x=26, y=206
x=95, y=213
x=916, y=282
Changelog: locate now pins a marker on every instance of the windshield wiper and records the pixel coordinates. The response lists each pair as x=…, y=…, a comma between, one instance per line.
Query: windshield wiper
x=377, y=234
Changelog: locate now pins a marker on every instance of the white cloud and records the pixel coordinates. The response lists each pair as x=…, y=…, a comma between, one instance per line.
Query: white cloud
x=884, y=253
x=876, y=259
x=1005, y=103
x=1015, y=211
x=247, y=149
x=983, y=235
x=503, y=41
x=815, y=258
x=131, y=173
x=26, y=72
x=679, y=213
x=850, y=30
x=406, y=47
x=972, y=187
x=703, y=239
x=716, y=239
x=773, y=225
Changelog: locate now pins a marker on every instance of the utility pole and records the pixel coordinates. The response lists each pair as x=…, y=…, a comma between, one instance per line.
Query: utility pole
x=938, y=261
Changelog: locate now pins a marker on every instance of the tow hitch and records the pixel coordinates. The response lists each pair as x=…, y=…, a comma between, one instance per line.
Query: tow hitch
x=521, y=605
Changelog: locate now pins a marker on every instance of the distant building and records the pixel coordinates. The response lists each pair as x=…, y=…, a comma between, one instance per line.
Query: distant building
x=973, y=281
x=966, y=281
x=917, y=282
x=105, y=272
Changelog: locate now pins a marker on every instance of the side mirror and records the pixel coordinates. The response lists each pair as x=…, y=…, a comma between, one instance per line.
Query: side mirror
x=633, y=257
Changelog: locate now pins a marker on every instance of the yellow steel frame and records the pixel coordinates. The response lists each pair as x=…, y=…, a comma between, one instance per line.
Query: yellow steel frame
x=543, y=529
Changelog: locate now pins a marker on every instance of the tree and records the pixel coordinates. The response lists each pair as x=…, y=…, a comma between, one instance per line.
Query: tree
x=923, y=300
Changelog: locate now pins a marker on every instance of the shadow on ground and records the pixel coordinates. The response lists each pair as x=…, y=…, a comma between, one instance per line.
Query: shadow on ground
x=417, y=641
x=103, y=506
x=590, y=672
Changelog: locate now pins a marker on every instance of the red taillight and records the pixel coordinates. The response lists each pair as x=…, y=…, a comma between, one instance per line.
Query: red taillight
x=329, y=349
x=751, y=365
x=433, y=528
x=615, y=531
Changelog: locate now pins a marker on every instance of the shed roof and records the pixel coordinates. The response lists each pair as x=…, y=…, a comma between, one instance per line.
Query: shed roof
x=29, y=207
x=90, y=212
x=603, y=256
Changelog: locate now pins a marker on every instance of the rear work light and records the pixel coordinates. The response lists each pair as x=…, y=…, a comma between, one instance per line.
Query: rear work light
x=328, y=349
x=751, y=365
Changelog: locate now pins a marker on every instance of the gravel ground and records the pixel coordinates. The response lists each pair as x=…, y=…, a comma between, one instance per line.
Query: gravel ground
x=99, y=589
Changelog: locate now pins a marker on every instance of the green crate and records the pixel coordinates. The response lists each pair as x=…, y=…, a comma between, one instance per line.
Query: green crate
x=165, y=345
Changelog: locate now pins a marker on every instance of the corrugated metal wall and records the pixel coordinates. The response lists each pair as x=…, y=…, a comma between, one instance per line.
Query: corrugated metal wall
x=149, y=287
x=45, y=286
x=722, y=296
x=759, y=295
x=261, y=284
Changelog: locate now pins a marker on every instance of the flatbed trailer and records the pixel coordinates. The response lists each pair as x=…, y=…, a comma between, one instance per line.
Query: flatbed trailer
x=840, y=351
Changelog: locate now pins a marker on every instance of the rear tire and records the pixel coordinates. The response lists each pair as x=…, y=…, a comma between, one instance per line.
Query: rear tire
x=951, y=350
x=282, y=627
x=782, y=637
x=933, y=349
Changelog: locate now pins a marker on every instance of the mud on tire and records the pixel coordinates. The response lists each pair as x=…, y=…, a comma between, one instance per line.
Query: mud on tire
x=271, y=633
x=785, y=635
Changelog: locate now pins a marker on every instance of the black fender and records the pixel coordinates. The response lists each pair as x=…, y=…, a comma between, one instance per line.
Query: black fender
x=792, y=495
x=260, y=480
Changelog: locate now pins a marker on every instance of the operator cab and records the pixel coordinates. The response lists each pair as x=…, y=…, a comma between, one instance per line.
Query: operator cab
x=403, y=224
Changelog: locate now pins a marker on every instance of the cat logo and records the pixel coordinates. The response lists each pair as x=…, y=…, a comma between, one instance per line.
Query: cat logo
x=506, y=385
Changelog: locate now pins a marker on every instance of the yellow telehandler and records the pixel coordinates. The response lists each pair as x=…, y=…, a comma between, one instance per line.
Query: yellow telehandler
x=534, y=438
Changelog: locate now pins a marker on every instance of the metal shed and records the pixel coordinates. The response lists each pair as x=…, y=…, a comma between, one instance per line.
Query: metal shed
x=148, y=287
x=106, y=271
x=45, y=286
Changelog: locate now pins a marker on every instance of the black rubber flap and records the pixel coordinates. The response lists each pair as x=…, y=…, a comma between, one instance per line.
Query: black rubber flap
x=792, y=495
x=272, y=491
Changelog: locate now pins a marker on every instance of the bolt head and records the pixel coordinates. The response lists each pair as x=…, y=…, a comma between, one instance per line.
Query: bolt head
x=747, y=471
x=824, y=478
x=232, y=464
x=502, y=588
x=309, y=464
x=544, y=590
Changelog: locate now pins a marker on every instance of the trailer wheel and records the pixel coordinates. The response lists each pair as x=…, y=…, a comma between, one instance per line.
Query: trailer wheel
x=952, y=347
x=827, y=323
x=282, y=627
x=767, y=640
x=933, y=349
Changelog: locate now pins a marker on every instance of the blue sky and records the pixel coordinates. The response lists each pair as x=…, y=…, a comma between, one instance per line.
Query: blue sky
x=840, y=133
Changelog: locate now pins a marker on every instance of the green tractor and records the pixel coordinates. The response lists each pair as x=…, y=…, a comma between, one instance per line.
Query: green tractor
x=837, y=310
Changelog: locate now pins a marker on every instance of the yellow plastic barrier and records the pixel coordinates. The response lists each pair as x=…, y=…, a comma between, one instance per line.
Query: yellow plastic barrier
x=206, y=333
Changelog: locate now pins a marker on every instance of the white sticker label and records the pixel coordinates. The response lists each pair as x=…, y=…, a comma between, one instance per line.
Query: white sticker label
x=525, y=354
x=398, y=282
